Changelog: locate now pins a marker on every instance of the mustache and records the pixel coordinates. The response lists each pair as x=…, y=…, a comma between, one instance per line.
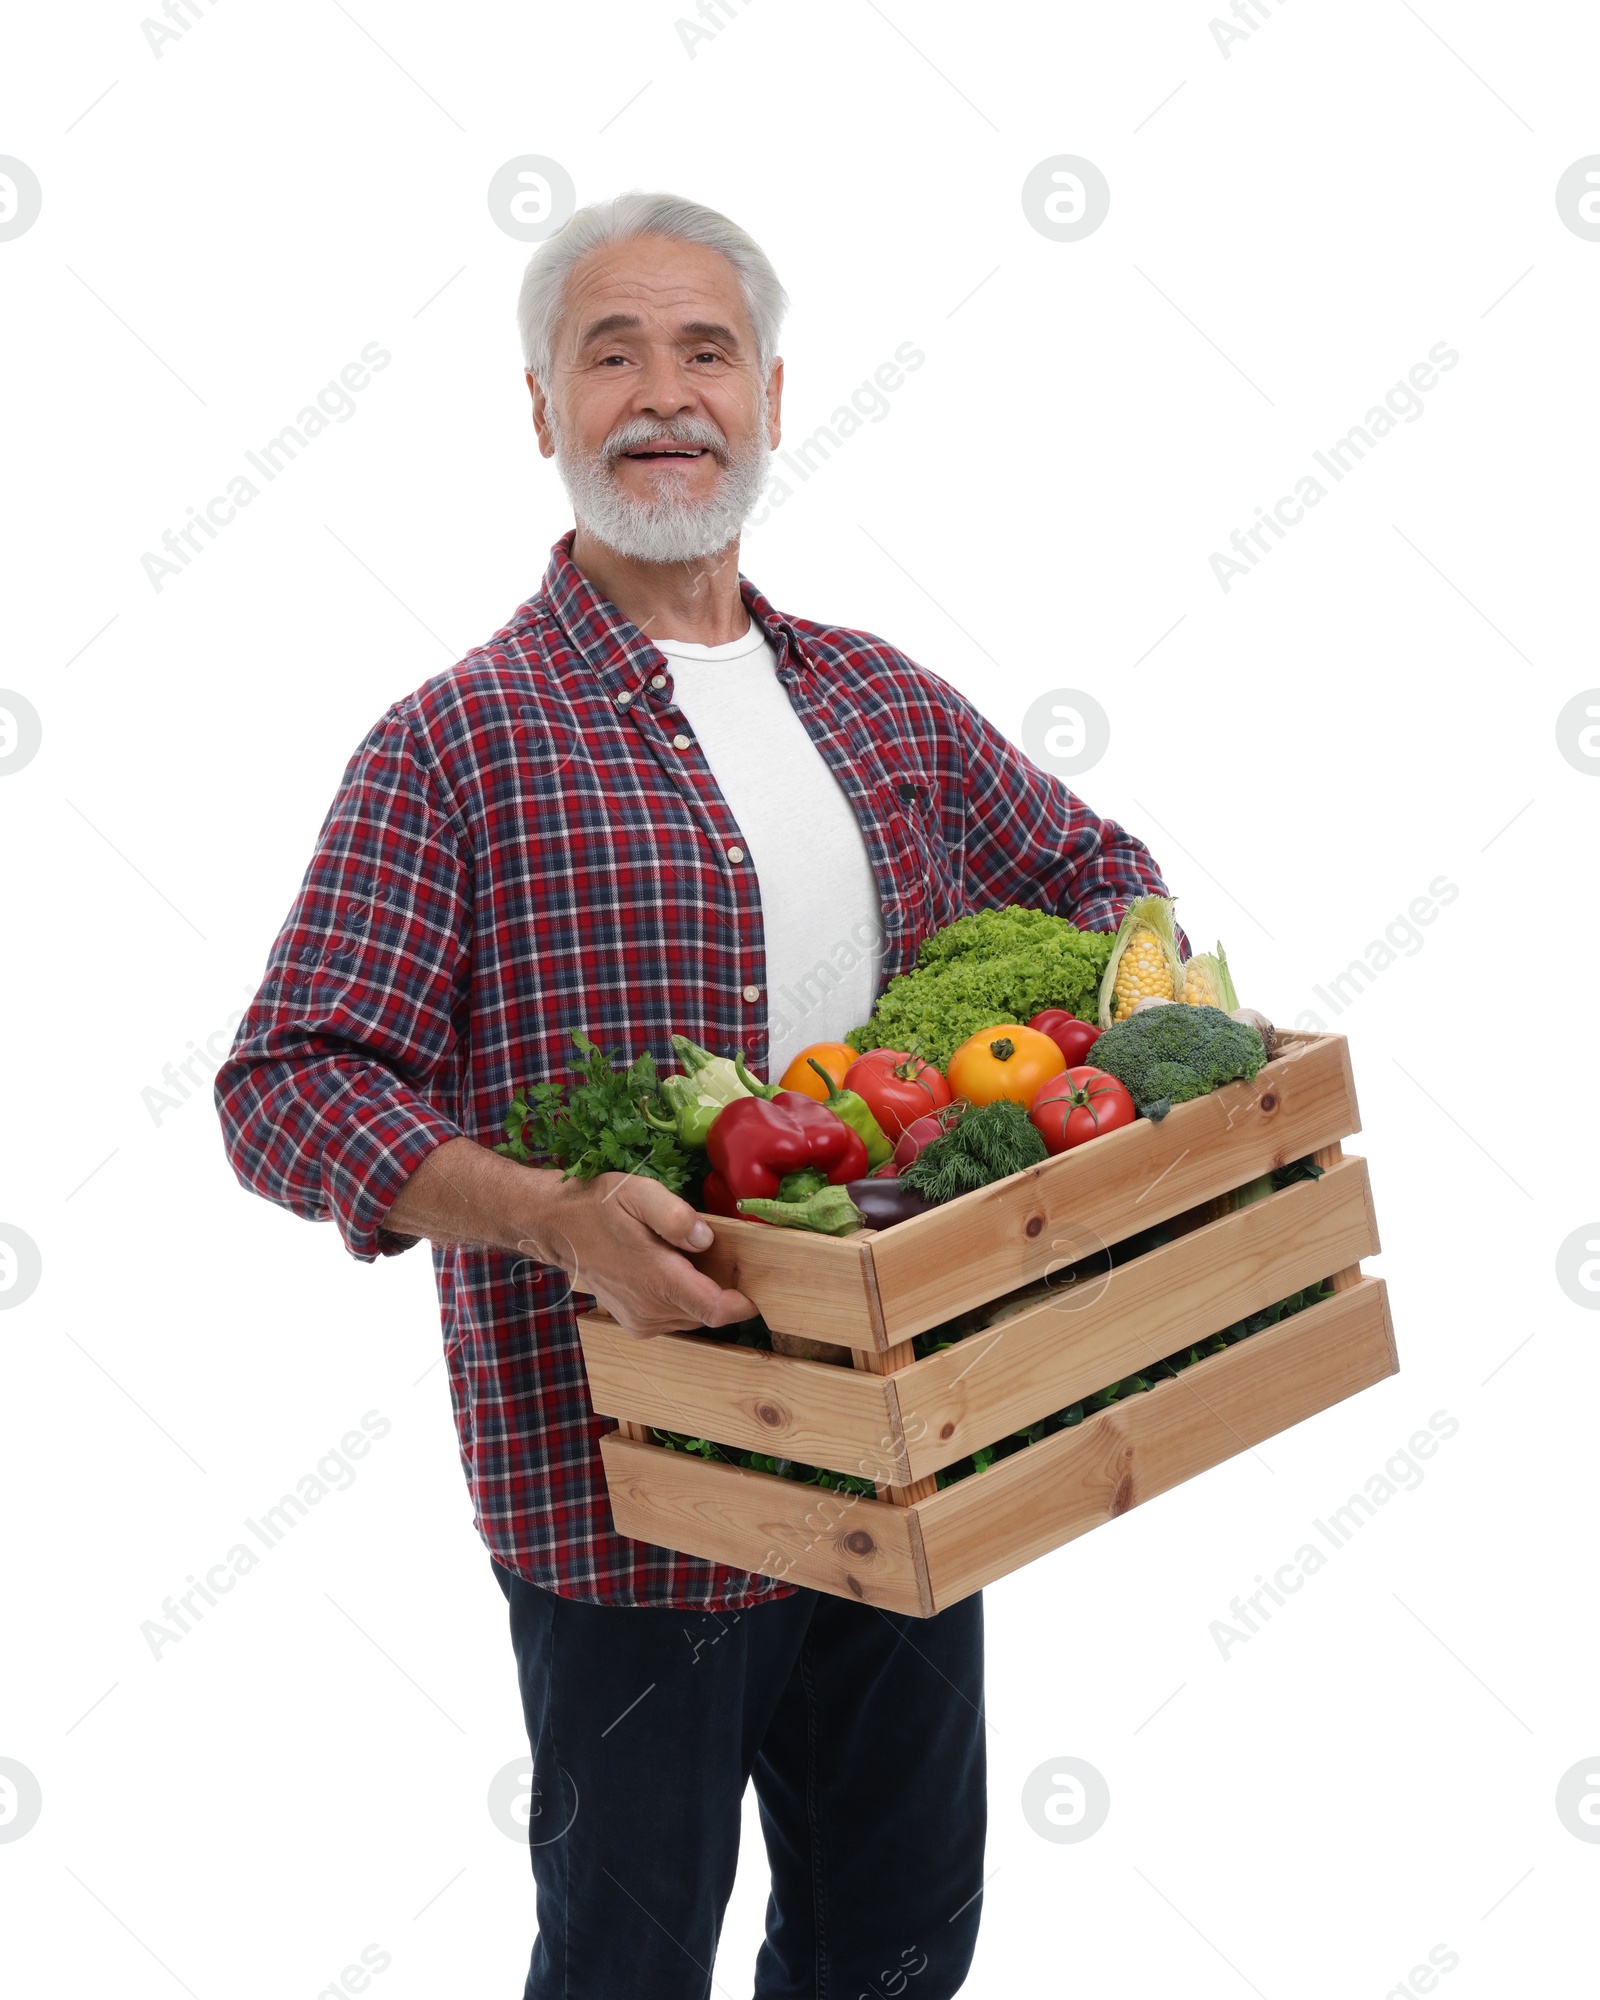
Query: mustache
x=639, y=432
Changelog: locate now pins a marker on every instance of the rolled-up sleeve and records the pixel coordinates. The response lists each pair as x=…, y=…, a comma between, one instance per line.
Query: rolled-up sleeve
x=346, y=1070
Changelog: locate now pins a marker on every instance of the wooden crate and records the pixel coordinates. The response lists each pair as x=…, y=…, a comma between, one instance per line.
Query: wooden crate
x=897, y=1420
x=875, y=1289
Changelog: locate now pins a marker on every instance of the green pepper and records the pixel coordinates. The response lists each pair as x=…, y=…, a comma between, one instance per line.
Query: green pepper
x=857, y=1114
x=829, y=1211
x=691, y=1111
x=802, y=1182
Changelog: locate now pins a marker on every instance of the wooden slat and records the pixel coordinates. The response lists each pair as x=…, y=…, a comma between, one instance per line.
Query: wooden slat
x=799, y=1282
x=898, y=1488
x=806, y=1410
x=994, y=1382
x=899, y=1425
x=992, y=1523
x=842, y=1543
x=1328, y=1156
x=989, y=1242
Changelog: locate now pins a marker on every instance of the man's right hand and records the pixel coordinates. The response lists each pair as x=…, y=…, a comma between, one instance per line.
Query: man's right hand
x=622, y=1237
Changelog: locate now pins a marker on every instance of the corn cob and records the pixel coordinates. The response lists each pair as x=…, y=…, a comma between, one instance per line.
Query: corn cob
x=1144, y=962
x=1207, y=982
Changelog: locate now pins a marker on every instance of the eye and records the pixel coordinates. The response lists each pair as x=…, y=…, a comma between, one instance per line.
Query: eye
x=707, y=354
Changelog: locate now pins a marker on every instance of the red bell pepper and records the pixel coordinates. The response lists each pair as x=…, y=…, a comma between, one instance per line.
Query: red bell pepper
x=755, y=1141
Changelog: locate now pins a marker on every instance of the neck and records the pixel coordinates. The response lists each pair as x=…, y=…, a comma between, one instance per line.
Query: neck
x=695, y=601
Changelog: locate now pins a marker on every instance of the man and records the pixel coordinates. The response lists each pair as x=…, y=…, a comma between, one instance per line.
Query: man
x=653, y=803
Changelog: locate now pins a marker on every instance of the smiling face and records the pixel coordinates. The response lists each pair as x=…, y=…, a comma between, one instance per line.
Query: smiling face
x=655, y=413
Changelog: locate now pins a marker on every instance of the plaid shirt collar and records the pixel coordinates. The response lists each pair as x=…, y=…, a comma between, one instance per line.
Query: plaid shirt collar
x=621, y=656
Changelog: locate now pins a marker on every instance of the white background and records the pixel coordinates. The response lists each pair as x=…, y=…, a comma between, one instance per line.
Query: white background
x=1293, y=225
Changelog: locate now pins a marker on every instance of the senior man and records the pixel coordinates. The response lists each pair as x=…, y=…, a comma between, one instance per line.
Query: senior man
x=653, y=803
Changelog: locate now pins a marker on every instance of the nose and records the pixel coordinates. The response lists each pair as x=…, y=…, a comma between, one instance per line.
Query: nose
x=662, y=390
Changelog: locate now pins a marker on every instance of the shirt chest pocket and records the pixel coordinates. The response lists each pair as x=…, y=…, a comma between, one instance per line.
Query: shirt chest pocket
x=925, y=872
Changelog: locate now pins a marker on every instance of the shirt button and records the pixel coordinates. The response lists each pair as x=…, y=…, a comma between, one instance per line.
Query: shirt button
x=735, y=853
x=752, y=992
x=658, y=680
x=624, y=698
x=680, y=742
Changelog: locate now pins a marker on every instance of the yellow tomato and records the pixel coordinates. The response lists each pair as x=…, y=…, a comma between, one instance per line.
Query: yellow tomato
x=1003, y=1061
x=835, y=1058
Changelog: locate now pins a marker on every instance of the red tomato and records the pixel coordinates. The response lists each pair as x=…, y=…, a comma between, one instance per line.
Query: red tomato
x=1081, y=1104
x=1074, y=1038
x=897, y=1087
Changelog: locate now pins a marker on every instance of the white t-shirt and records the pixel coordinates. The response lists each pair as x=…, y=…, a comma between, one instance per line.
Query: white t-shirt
x=820, y=913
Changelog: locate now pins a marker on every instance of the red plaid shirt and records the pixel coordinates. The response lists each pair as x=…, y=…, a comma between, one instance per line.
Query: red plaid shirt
x=518, y=848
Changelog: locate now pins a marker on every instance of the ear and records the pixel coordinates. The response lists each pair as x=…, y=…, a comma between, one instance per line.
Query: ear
x=774, y=402
x=541, y=414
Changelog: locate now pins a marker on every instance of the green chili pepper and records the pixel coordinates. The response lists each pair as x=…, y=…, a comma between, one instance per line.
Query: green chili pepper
x=857, y=1114
x=829, y=1211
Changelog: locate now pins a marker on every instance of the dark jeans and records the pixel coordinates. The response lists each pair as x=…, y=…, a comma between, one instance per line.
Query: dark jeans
x=864, y=1733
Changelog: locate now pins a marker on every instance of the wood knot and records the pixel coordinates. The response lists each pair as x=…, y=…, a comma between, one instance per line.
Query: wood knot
x=859, y=1542
x=1034, y=1224
x=770, y=1414
x=1122, y=1498
x=1268, y=1101
x=855, y=1586
x=947, y=1430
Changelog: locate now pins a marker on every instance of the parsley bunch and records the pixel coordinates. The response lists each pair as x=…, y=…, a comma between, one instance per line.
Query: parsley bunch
x=595, y=1126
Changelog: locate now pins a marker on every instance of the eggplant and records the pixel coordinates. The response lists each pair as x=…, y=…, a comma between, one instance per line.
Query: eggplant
x=884, y=1201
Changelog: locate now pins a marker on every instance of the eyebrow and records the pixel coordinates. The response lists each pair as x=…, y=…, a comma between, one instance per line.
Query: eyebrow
x=693, y=329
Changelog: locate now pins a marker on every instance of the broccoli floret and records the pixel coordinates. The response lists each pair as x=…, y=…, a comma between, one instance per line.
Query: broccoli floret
x=1166, y=1055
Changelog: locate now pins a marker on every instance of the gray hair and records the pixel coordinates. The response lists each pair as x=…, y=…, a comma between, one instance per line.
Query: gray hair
x=619, y=220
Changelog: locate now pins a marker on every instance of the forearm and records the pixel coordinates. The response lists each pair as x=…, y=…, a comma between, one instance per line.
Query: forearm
x=465, y=1193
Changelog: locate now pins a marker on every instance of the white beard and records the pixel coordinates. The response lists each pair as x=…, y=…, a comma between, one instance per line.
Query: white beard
x=667, y=528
